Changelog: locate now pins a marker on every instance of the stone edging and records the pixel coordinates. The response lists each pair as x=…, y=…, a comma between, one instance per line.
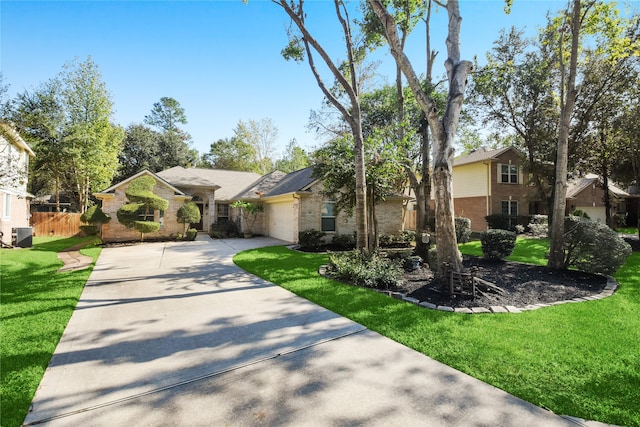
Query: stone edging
x=608, y=290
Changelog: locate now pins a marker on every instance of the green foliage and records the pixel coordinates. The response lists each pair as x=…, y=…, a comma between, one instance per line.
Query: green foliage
x=188, y=213
x=37, y=303
x=95, y=215
x=527, y=355
x=222, y=229
x=498, y=221
x=593, y=247
x=402, y=239
x=166, y=114
x=128, y=214
x=295, y=158
x=497, y=244
x=365, y=268
x=344, y=241
x=250, y=213
x=145, y=227
x=463, y=229
x=231, y=154
x=141, y=201
x=433, y=259
x=191, y=234
x=580, y=214
x=311, y=240
x=89, y=230
x=539, y=226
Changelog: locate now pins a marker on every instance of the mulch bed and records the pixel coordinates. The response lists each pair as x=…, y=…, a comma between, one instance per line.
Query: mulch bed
x=524, y=284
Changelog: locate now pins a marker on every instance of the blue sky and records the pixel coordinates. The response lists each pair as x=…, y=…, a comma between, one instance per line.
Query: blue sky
x=220, y=59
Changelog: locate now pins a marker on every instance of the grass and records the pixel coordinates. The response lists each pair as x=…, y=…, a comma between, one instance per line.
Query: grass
x=37, y=303
x=627, y=230
x=576, y=359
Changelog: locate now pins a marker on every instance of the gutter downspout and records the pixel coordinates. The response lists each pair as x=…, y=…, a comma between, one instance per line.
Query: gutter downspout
x=488, y=197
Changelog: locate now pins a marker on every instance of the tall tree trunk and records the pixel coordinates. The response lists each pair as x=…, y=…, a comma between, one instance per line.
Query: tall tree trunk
x=556, y=242
x=352, y=113
x=443, y=130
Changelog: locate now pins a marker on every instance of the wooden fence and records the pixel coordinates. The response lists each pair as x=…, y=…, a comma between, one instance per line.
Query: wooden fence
x=409, y=220
x=55, y=223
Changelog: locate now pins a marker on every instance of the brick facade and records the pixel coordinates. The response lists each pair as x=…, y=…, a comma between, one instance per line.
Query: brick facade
x=113, y=231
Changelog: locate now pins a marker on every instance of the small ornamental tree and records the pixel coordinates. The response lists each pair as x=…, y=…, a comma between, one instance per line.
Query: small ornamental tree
x=95, y=217
x=141, y=202
x=249, y=212
x=188, y=214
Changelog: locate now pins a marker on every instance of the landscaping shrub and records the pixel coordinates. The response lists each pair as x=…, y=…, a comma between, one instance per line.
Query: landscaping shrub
x=497, y=221
x=364, y=268
x=497, y=244
x=580, y=214
x=433, y=259
x=344, y=241
x=408, y=236
x=191, y=234
x=593, y=247
x=89, y=230
x=187, y=214
x=224, y=228
x=463, y=229
x=141, y=201
x=400, y=240
x=621, y=219
x=311, y=240
x=539, y=226
x=95, y=217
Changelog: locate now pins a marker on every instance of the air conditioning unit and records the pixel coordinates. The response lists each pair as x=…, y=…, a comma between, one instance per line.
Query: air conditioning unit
x=23, y=237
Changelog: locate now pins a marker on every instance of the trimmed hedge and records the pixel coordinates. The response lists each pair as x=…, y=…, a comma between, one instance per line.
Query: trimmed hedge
x=498, y=244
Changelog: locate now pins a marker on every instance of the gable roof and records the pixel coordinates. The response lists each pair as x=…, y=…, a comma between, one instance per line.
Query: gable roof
x=143, y=172
x=226, y=183
x=262, y=186
x=10, y=134
x=481, y=155
x=577, y=185
x=299, y=180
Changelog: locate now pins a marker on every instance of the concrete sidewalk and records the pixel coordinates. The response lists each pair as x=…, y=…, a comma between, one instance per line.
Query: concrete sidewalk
x=176, y=334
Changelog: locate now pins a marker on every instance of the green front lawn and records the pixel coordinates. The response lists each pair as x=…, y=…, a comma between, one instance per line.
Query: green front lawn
x=37, y=303
x=576, y=359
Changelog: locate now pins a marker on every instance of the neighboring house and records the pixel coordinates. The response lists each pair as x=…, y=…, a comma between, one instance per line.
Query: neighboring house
x=114, y=197
x=14, y=167
x=292, y=203
x=487, y=182
x=587, y=194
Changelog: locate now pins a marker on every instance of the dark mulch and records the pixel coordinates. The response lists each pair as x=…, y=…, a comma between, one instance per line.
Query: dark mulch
x=523, y=284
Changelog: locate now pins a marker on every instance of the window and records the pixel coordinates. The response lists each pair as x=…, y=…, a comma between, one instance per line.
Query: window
x=144, y=215
x=6, y=213
x=328, y=216
x=223, y=212
x=510, y=210
x=161, y=218
x=508, y=174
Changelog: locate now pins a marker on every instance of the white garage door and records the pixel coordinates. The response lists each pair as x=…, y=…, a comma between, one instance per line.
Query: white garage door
x=596, y=214
x=281, y=221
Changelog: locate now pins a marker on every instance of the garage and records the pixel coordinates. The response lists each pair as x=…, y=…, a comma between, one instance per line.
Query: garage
x=281, y=221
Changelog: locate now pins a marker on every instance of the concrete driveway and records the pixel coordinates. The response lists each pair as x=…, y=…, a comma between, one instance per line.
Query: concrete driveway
x=176, y=334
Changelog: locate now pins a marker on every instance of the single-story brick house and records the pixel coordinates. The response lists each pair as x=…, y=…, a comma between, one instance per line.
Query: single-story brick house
x=114, y=197
x=292, y=203
x=587, y=194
